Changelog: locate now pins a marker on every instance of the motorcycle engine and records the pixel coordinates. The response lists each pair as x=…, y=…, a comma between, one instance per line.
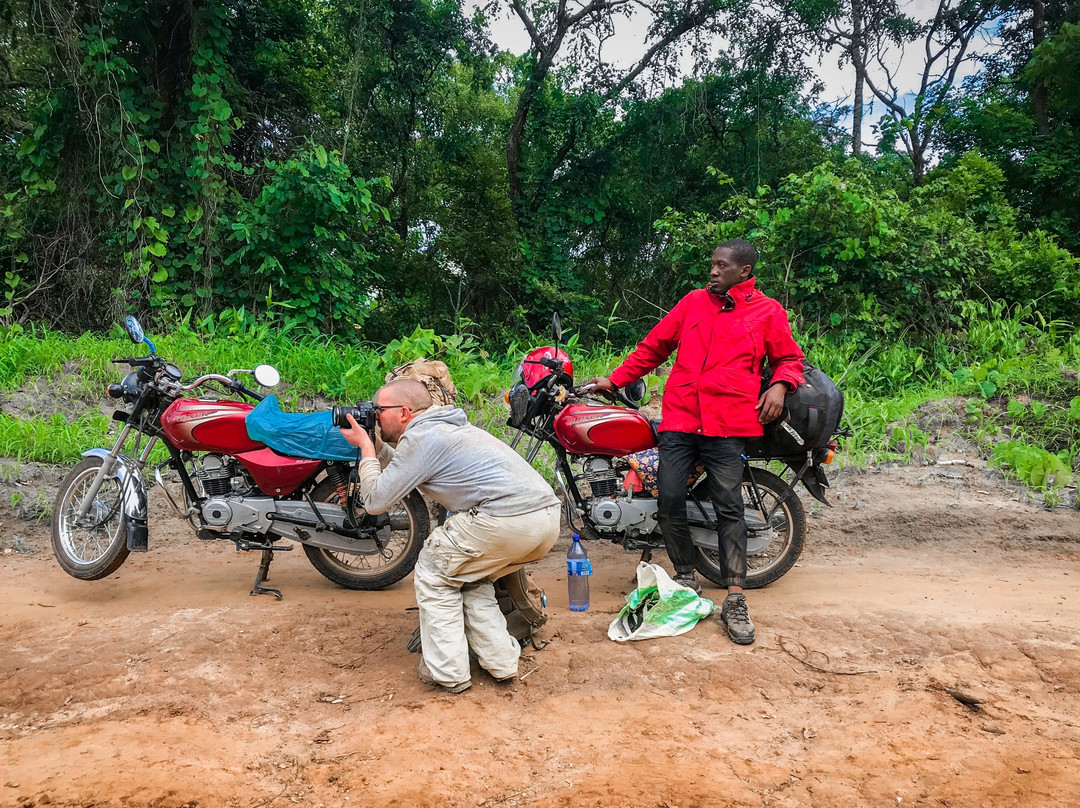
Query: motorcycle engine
x=605, y=513
x=216, y=512
x=636, y=516
x=610, y=513
x=216, y=474
x=601, y=476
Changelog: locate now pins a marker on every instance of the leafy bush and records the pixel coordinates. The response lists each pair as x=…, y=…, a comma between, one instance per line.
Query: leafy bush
x=1033, y=465
x=850, y=256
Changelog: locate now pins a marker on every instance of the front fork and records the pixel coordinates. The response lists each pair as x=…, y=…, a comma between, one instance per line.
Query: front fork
x=108, y=463
x=132, y=488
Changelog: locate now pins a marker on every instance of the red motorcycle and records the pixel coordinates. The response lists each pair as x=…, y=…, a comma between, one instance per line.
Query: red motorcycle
x=253, y=491
x=612, y=449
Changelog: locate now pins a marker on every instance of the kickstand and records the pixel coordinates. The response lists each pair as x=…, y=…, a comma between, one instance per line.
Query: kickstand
x=646, y=556
x=263, y=574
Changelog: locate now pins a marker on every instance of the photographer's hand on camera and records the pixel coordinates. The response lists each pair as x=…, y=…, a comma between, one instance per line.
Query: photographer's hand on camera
x=359, y=437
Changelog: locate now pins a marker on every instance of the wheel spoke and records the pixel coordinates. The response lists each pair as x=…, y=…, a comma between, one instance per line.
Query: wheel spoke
x=388, y=554
x=86, y=545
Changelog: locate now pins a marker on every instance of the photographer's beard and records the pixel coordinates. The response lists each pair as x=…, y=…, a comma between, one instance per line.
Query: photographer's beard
x=379, y=436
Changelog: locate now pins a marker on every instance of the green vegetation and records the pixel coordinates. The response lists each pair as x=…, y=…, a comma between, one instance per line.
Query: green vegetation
x=360, y=168
x=1022, y=412
x=338, y=187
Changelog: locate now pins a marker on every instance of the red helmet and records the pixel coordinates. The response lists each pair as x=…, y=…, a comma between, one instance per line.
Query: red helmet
x=532, y=373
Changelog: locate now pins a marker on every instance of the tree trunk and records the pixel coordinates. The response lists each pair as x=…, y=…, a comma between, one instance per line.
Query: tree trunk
x=858, y=59
x=918, y=157
x=1039, y=104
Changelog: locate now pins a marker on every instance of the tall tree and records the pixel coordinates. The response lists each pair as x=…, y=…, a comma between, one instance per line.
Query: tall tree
x=578, y=30
x=860, y=29
x=1015, y=114
x=945, y=39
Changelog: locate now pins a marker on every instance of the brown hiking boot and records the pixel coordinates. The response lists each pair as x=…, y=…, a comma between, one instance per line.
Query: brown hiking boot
x=737, y=619
x=689, y=580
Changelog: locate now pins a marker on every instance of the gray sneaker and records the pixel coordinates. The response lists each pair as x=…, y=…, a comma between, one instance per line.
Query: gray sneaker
x=424, y=673
x=737, y=620
x=689, y=580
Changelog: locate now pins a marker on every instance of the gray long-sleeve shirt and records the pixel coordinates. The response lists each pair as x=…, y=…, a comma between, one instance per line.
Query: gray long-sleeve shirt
x=455, y=464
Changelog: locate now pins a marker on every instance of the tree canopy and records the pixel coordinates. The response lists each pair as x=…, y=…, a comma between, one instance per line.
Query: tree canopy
x=362, y=167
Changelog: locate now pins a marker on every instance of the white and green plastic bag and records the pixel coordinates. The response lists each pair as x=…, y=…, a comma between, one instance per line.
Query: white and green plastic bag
x=659, y=607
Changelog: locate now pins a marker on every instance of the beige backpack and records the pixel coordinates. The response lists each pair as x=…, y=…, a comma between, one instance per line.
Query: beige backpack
x=434, y=375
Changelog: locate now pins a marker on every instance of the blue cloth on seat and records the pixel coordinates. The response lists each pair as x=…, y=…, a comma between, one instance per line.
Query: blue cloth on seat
x=299, y=434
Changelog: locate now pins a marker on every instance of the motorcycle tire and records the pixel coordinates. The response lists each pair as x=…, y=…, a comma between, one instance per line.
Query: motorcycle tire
x=345, y=569
x=788, y=522
x=90, y=551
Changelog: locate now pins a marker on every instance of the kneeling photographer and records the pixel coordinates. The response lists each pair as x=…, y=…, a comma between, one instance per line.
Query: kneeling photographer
x=504, y=515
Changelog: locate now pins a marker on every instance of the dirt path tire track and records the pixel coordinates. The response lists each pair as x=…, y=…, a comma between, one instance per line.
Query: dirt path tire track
x=167, y=685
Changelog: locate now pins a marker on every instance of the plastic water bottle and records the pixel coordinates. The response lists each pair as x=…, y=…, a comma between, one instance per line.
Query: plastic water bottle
x=578, y=570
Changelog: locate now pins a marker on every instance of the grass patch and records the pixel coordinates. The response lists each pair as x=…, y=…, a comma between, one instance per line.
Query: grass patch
x=1016, y=373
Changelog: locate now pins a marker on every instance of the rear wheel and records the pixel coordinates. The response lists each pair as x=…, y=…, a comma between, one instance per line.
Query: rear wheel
x=775, y=527
x=378, y=570
x=96, y=545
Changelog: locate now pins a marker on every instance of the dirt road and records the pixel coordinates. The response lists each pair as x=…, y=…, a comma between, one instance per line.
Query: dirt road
x=926, y=651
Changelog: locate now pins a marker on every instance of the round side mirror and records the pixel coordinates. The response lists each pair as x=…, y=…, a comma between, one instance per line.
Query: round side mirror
x=556, y=327
x=134, y=330
x=267, y=376
x=636, y=391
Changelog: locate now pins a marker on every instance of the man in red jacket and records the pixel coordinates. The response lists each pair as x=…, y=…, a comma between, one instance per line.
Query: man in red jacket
x=712, y=404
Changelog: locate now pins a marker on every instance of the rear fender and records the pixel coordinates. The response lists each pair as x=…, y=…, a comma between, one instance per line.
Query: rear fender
x=813, y=477
x=133, y=498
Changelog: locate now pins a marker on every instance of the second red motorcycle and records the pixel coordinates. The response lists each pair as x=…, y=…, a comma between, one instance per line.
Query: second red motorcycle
x=606, y=462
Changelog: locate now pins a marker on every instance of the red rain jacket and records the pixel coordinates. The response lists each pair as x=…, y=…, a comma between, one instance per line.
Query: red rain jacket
x=716, y=381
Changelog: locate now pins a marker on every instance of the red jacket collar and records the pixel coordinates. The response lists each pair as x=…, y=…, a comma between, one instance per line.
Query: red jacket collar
x=739, y=293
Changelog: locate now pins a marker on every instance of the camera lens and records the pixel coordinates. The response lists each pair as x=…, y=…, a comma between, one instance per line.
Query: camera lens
x=363, y=413
x=339, y=416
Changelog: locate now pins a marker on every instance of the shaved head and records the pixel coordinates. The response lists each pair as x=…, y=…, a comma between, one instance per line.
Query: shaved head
x=404, y=392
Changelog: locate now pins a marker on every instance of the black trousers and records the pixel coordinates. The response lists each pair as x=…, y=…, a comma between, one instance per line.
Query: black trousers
x=680, y=452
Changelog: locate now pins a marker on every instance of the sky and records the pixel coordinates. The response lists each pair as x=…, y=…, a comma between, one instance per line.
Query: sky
x=509, y=33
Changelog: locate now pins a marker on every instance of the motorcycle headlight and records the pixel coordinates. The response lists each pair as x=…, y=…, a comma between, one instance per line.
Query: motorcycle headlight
x=518, y=399
x=130, y=387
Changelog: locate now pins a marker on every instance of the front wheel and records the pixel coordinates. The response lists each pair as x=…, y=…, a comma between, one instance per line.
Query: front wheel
x=95, y=545
x=775, y=527
x=408, y=530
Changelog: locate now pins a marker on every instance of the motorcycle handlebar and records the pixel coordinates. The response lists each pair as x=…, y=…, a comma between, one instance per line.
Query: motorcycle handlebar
x=614, y=395
x=209, y=377
x=243, y=389
x=231, y=383
x=137, y=361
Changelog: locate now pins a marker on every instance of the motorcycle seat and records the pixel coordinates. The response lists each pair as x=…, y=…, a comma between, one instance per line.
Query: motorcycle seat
x=310, y=435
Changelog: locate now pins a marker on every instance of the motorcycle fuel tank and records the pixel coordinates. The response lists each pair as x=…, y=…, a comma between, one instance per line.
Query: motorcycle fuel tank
x=208, y=426
x=603, y=429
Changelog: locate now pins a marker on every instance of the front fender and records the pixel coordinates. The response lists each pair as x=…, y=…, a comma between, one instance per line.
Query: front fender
x=133, y=502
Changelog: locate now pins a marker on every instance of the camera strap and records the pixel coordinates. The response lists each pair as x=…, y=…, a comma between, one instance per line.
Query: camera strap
x=354, y=494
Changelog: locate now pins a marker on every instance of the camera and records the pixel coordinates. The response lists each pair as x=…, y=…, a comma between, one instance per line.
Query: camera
x=363, y=412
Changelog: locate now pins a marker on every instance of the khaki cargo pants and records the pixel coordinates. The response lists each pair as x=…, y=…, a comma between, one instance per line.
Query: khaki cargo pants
x=474, y=548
